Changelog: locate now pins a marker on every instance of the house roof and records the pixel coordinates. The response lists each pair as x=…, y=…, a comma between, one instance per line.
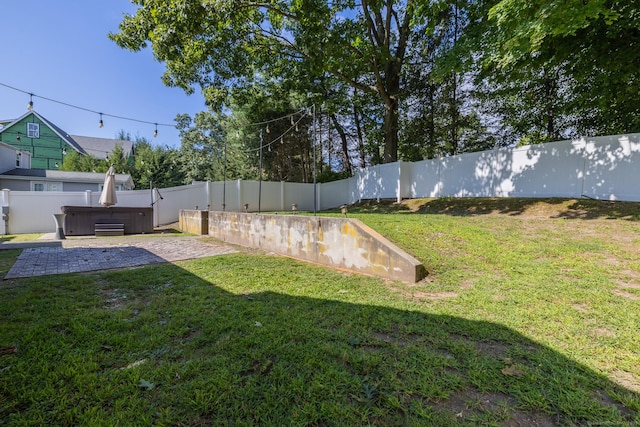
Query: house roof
x=62, y=134
x=66, y=176
x=100, y=148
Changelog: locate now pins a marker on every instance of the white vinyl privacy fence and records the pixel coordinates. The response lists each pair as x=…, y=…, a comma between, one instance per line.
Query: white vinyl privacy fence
x=606, y=168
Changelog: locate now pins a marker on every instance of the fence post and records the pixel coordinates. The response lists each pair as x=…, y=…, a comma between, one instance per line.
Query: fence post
x=239, y=185
x=155, y=202
x=378, y=183
x=208, y=191
x=5, y=211
x=399, y=183
x=282, y=189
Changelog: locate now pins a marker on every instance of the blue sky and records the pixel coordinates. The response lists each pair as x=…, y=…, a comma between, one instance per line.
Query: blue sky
x=60, y=50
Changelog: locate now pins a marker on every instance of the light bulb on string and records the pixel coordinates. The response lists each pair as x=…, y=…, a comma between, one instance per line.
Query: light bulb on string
x=282, y=140
x=30, y=105
x=155, y=132
x=268, y=131
x=100, y=123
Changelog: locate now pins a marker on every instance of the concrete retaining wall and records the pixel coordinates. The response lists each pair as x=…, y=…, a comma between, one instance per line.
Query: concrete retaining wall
x=337, y=242
x=195, y=222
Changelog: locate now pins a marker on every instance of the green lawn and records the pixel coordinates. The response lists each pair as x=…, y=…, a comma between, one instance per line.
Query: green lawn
x=529, y=316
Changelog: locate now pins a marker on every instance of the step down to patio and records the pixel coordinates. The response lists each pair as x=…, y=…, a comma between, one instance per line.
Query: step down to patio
x=109, y=230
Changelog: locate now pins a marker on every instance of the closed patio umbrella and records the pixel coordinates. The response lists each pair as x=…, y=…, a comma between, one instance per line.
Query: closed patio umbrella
x=108, y=196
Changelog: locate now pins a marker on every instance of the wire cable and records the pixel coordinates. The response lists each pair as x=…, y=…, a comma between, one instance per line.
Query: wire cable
x=31, y=94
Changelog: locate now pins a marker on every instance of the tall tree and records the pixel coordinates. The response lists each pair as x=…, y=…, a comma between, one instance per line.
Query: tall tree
x=156, y=166
x=223, y=43
x=573, y=62
x=207, y=151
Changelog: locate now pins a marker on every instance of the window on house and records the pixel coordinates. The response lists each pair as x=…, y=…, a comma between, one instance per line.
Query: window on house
x=118, y=187
x=33, y=130
x=54, y=186
x=46, y=186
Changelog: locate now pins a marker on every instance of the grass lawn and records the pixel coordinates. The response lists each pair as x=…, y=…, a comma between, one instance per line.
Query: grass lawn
x=13, y=238
x=529, y=316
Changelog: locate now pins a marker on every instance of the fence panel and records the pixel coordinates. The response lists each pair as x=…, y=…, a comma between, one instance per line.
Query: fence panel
x=611, y=169
x=467, y=175
x=32, y=212
x=543, y=170
x=337, y=193
x=425, y=179
x=169, y=201
x=299, y=193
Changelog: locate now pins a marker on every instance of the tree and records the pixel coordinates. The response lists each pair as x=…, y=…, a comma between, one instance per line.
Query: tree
x=566, y=67
x=77, y=162
x=206, y=149
x=218, y=44
x=156, y=166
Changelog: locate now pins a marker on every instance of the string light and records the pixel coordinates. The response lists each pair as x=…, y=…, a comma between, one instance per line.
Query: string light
x=32, y=95
x=155, y=132
x=303, y=111
x=279, y=137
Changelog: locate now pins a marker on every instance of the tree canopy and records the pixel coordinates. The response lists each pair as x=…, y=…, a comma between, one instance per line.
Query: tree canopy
x=408, y=79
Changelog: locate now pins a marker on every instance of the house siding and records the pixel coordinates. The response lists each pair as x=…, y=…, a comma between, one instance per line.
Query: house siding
x=45, y=151
x=15, y=184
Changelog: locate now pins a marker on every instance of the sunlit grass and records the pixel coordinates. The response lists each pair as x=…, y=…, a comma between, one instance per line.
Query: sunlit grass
x=13, y=238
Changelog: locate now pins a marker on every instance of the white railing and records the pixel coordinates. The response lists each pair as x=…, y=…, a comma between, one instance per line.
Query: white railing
x=605, y=168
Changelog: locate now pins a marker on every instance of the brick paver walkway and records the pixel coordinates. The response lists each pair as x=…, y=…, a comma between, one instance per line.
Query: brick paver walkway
x=91, y=254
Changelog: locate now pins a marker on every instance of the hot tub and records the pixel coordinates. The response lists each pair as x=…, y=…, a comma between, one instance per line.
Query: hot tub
x=82, y=220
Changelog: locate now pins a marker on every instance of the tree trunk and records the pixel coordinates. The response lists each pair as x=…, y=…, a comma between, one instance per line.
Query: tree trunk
x=431, y=123
x=346, y=161
x=390, y=128
x=454, y=89
x=548, y=94
x=356, y=119
x=390, y=124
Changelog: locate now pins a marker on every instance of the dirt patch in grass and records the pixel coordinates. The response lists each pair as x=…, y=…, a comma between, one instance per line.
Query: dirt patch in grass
x=627, y=285
x=624, y=294
x=603, y=398
x=602, y=332
x=113, y=299
x=626, y=379
x=472, y=405
x=434, y=295
x=581, y=307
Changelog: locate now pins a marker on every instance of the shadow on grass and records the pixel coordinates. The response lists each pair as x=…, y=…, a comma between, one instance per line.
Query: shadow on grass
x=238, y=340
x=548, y=207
